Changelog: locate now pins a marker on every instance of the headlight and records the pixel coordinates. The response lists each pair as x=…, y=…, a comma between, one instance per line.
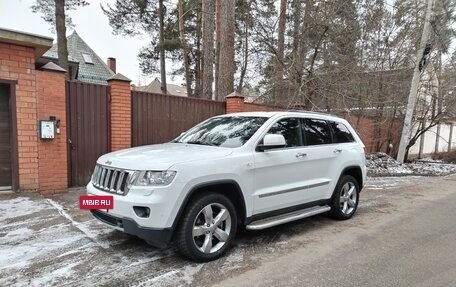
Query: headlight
x=147, y=178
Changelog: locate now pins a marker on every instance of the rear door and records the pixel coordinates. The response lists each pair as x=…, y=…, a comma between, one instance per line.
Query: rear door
x=322, y=165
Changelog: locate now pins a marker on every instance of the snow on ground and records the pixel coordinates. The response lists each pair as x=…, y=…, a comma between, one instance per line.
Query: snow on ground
x=389, y=182
x=381, y=164
x=42, y=244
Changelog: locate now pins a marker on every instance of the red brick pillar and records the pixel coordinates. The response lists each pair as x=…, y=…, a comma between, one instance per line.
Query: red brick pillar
x=51, y=99
x=18, y=63
x=120, y=112
x=234, y=103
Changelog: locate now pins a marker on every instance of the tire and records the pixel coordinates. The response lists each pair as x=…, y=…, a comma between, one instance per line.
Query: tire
x=198, y=236
x=345, y=198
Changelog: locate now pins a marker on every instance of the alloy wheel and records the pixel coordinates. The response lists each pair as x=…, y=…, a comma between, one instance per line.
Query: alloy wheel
x=348, y=198
x=211, y=228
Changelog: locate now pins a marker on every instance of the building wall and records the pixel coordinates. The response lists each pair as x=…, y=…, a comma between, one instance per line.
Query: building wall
x=430, y=138
x=42, y=165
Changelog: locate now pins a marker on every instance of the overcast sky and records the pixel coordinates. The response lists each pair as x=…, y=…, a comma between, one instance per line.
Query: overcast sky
x=90, y=23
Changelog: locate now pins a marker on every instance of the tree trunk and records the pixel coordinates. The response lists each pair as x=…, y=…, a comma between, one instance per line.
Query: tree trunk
x=226, y=56
x=60, y=27
x=296, y=55
x=246, y=48
x=279, y=65
x=208, y=23
x=439, y=99
x=302, y=54
x=188, y=79
x=197, y=92
x=218, y=33
x=161, y=15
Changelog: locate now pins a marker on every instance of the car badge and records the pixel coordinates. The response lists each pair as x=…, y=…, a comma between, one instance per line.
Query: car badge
x=108, y=162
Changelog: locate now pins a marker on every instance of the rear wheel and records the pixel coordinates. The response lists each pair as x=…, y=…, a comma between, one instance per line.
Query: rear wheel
x=345, y=198
x=207, y=228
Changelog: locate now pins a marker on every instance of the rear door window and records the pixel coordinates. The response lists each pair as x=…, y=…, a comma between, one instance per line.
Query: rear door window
x=317, y=132
x=341, y=133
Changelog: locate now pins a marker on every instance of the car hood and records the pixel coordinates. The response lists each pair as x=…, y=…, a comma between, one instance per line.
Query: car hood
x=161, y=156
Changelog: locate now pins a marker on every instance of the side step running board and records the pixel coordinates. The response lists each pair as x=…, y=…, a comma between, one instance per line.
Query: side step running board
x=287, y=217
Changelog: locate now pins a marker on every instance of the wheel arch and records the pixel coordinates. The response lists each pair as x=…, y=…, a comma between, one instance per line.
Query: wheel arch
x=356, y=172
x=228, y=188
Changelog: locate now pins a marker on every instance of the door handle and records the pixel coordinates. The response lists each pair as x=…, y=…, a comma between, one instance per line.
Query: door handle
x=72, y=146
x=301, y=155
x=337, y=150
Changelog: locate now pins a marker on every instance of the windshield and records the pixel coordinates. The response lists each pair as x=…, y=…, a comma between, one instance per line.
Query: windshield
x=224, y=131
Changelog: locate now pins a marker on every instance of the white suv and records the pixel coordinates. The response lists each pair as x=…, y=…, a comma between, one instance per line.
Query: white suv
x=252, y=170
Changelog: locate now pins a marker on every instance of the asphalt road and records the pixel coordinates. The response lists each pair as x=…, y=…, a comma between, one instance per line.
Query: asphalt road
x=404, y=234
x=406, y=238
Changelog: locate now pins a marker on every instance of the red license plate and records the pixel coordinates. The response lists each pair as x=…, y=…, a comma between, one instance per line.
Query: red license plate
x=96, y=202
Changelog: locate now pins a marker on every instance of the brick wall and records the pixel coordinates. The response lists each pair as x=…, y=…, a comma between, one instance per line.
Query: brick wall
x=18, y=63
x=374, y=135
x=235, y=104
x=120, y=114
x=53, y=175
x=42, y=165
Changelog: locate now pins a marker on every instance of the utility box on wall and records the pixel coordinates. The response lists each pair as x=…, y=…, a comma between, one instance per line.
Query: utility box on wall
x=47, y=129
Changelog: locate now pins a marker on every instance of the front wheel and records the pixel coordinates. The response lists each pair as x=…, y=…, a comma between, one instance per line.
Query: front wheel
x=345, y=198
x=207, y=228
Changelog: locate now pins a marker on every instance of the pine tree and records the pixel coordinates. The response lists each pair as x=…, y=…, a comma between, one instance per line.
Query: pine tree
x=53, y=12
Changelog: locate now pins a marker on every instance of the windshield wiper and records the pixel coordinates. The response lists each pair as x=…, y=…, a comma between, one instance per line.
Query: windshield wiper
x=200, y=142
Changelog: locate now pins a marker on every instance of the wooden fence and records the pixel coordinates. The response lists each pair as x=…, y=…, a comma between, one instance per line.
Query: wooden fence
x=160, y=118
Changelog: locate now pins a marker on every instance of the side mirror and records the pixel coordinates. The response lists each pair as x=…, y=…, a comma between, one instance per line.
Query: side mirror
x=272, y=141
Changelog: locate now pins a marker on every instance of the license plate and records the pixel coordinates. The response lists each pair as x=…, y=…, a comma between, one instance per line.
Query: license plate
x=96, y=202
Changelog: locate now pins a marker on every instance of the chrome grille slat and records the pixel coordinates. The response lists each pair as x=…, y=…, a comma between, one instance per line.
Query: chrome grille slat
x=98, y=176
x=103, y=174
x=106, y=180
x=111, y=179
x=119, y=182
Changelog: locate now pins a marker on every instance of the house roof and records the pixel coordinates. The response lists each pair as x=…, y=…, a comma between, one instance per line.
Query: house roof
x=92, y=69
x=40, y=43
x=154, y=87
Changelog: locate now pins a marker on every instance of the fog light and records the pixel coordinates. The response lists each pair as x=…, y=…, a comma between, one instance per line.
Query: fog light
x=142, y=211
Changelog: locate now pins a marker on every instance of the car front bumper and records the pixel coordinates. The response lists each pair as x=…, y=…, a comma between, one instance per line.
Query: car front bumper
x=158, y=237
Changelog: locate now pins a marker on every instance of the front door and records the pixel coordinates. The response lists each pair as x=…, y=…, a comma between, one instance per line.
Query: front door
x=5, y=138
x=280, y=175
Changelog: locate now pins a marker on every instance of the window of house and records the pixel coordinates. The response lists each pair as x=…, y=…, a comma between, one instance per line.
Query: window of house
x=289, y=128
x=317, y=132
x=341, y=133
x=87, y=58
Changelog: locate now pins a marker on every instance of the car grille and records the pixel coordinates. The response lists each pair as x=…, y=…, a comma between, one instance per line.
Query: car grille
x=111, y=179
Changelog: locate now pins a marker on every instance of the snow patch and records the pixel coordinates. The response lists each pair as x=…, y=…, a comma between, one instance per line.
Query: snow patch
x=381, y=164
x=82, y=227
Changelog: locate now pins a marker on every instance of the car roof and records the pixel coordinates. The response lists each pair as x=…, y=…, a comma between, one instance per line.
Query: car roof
x=298, y=113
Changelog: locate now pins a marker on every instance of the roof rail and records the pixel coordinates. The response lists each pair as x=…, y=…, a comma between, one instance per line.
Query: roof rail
x=311, y=112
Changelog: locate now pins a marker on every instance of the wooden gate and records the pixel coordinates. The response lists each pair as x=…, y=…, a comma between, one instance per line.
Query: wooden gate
x=88, y=129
